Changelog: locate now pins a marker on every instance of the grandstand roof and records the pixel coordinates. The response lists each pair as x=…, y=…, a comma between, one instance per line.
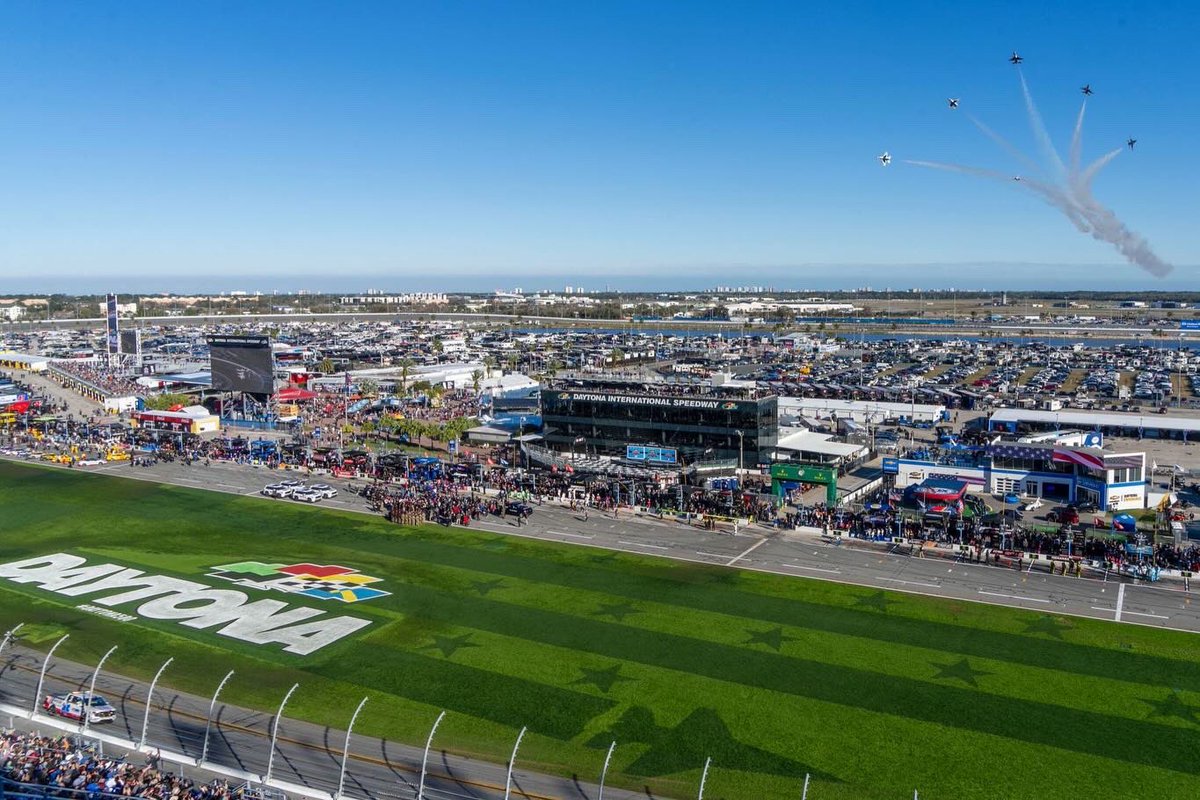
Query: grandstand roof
x=1095, y=419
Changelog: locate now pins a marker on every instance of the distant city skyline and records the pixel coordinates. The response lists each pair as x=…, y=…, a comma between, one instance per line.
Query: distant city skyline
x=815, y=278
x=636, y=144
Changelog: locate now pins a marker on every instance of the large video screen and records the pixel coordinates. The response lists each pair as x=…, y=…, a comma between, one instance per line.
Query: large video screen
x=242, y=364
x=131, y=342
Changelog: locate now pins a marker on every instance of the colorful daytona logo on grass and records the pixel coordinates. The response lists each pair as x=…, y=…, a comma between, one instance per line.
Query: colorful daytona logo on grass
x=320, y=581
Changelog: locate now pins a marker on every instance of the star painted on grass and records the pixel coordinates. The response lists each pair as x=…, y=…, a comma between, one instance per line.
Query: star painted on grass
x=773, y=638
x=960, y=671
x=618, y=611
x=876, y=602
x=449, y=645
x=1173, y=706
x=483, y=587
x=602, y=679
x=1049, y=625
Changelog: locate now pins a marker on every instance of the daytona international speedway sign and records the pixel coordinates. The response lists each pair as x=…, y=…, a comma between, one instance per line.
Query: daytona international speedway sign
x=300, y=629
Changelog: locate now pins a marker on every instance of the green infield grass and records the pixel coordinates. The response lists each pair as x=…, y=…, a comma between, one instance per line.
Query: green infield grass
x=873, y=693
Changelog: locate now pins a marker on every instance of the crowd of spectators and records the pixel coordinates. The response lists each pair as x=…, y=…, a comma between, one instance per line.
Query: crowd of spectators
x=100, y=377
x=60, y=763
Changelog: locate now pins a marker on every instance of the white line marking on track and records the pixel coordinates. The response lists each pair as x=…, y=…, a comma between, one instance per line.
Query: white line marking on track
x=746, y=552
x=1102, y=608
x=712, y=555
x=1143, y=614
x=911, y=583
x=813, y=569
x=641, y=544
x=1120, y=600
x=1015, y=597
x=572, y=535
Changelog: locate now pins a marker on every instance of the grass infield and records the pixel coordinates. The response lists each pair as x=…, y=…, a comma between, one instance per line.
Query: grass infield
x=874, y=693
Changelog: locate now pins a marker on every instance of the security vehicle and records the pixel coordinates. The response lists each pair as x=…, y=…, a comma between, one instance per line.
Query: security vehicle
x=72, y=705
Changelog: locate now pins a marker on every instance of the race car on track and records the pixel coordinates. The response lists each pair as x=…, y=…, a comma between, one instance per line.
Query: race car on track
x=72, y=704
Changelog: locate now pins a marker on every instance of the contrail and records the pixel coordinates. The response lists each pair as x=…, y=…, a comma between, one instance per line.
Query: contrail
x=1071, y=193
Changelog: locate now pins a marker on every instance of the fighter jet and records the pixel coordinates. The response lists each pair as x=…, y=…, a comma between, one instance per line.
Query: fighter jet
x=1014, y=58
x=953, y=101
x=885, y=159
x=1016, y=177
x=1131, y=143
x=1087, y=89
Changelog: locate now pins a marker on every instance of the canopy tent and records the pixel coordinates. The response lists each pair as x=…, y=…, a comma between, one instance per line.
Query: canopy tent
x=293, y=394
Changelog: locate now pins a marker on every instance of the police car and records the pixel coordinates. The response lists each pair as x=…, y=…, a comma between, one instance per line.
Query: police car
x=72, y=705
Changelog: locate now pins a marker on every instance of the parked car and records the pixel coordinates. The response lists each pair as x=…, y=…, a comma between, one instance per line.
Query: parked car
x=326, y=491
x=305, y=495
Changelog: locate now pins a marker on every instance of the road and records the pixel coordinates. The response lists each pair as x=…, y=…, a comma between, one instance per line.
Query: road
x=809, y=555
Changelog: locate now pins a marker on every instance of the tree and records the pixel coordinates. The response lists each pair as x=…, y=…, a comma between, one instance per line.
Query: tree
x=405, y=365
x=368, y=387
x=476, y=377
x=326, y=365
x=161, y=402
x=490, y=363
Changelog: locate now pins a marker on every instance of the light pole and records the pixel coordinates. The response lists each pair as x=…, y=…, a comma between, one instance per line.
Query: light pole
x=149, y=699
x=275, y=731
x=741, y=452
x=42, y=676
x=208, y=720
x=604, y=771
x=346, y=748
x=425, y=758
x=511, y=762
x=87, y=711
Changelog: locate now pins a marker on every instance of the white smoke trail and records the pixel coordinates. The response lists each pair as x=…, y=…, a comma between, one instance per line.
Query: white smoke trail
x=1077, y=141
x=1005, y=145
x=1039, y=128
x=1084, y=180
x=1072, y=192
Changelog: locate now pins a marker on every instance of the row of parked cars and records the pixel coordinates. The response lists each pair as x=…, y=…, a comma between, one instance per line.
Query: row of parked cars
x=298, y=490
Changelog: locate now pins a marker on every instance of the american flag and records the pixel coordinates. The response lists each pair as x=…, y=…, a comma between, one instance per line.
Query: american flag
x=1019, y=450
x=1064, y=456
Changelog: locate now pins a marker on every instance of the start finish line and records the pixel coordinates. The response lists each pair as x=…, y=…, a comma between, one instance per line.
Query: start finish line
x=302, y=630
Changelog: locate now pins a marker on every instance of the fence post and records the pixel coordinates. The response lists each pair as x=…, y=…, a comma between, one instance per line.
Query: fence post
x=604, y=771
x=42, y=676
x=511, y=761
x=149, y=698
x=346, y=749
x=275, y=731
x=10, y=636
x=208, y=720
x=704, y=778
x=425, y=758
x=87, y=710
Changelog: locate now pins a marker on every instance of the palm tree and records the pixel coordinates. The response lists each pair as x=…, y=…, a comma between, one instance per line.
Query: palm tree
x=476, y=377
x=490, y=363
x=405, y=365
x=326, y=365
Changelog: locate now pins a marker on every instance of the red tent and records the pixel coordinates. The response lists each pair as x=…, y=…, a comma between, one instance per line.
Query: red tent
x=293, y=394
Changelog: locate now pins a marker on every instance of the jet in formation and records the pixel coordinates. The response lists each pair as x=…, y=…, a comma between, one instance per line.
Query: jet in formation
x=953, y=101
x=1087, y=89
x=1014, y=58
x=885, y=159
x=1131, y=143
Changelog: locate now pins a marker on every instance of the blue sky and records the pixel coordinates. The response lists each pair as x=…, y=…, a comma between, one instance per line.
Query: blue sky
x=476, y=142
